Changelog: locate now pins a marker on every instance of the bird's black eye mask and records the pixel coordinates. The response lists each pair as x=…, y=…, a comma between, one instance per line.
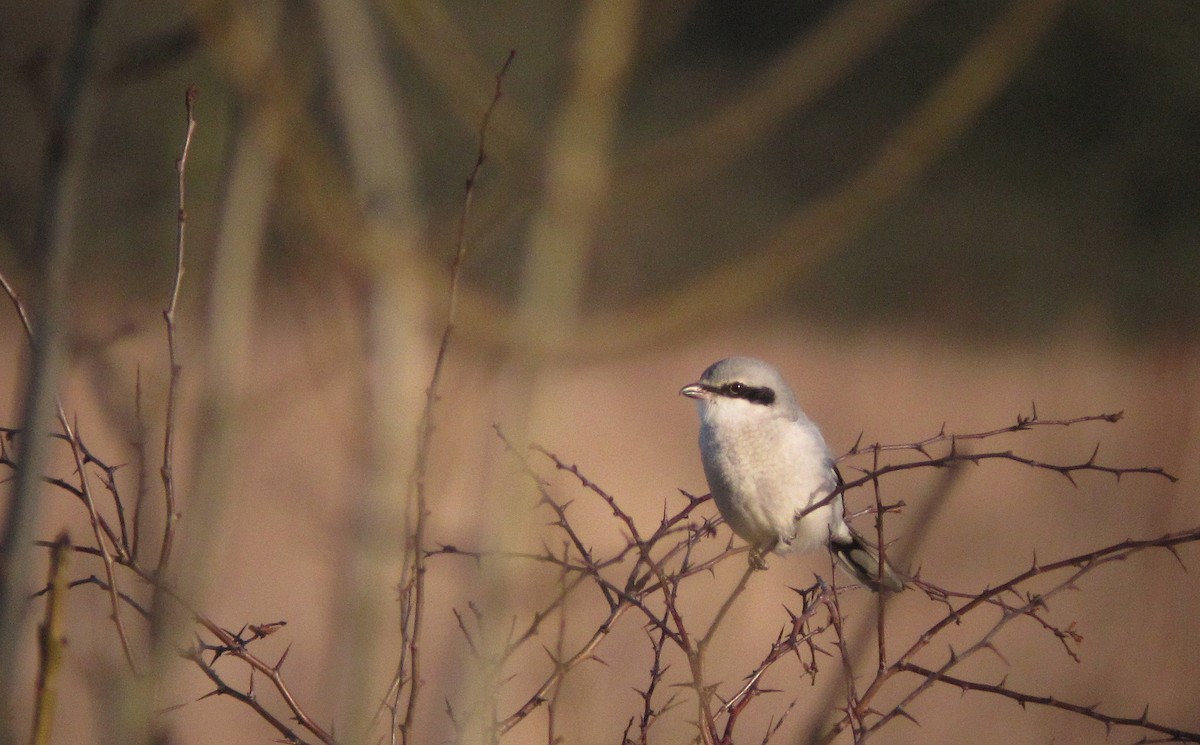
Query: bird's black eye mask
x=755, y=395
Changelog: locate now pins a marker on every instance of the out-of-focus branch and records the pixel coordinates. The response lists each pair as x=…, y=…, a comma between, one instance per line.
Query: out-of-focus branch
x=818, y=230
x=451, y=58
x=795, y=79
x=18, y=306
x=51, y=640
x=394, y=306
x=66, y=141
x=578, y=176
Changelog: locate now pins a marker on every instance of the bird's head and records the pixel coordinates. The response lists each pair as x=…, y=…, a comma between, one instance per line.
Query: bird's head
x=743, y=384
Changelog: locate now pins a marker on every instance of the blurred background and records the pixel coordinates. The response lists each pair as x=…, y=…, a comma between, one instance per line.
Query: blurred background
x=925, y=213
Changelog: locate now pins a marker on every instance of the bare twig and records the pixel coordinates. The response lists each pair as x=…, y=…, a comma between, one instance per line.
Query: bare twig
x=1079, y=565
x=693, y=649
x=105, y=554
x=1091, y=712
x=415, y=557
x=880, y=570
x=1023, y=423
x=92, y=579
x=234, y=646
x=18, y=306
x=168, y=463
x=854, y=703
x=100, y=527
x=246, y=697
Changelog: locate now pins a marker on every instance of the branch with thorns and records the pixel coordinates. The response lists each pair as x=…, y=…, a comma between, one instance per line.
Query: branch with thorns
x=654, y=567
x=650, y=576
x=651, y=571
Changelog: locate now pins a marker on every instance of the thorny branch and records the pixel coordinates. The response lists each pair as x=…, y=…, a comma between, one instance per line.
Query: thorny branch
x=167, y=472
x=652, y=572
x=659, y=562
x=100, y=528
x=1091, y=712
x=648, y=573
x=412, y=583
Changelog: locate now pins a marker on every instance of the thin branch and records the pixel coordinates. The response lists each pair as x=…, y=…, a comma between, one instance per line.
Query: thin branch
x=1091, y=712
x=880, y=570
x=93, y=580
x=249, y=699
x=416, y=555
x=1022, y=424
x=1081, y=564
x=168, y=463
x=585, y=652
x=236, y=647
x=105, y=555
x=15, y=299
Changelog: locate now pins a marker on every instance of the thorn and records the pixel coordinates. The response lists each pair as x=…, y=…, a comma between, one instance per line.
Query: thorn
x=550, y=654
x=1092, y=460
x=995, y=651
x=906, y=715
x=282, y=657
x=1177, y=557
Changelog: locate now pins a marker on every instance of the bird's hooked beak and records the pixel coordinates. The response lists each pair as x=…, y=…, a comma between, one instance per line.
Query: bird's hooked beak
x=696, y=390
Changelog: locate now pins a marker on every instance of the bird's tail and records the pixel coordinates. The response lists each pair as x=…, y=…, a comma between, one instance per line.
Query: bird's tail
x=862, y=562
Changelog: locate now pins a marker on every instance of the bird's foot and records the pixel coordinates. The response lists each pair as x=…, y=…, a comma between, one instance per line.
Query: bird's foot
x=757, y=560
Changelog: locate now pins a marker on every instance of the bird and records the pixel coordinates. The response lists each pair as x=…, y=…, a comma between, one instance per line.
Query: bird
x=767, y=465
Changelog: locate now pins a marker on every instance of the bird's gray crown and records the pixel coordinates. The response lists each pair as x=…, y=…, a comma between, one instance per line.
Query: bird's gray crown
x=750, y=379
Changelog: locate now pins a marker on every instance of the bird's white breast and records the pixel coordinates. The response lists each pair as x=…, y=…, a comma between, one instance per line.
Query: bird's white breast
x=763, y=468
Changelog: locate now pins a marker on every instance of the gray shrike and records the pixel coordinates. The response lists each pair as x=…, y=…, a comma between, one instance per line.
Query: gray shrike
x=766, y=463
